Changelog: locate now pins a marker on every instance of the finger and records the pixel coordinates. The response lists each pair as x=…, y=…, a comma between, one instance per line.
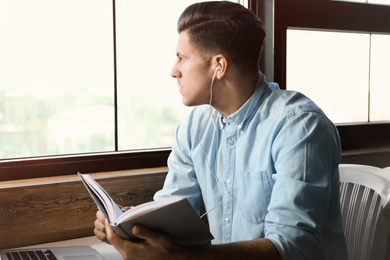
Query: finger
x=100, y=229
x=153, y=238
x=99, y=225
x=99, y=222
x=100, y=216
x=100, y=235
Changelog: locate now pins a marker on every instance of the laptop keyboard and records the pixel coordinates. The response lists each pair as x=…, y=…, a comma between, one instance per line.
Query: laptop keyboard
x=31, y=255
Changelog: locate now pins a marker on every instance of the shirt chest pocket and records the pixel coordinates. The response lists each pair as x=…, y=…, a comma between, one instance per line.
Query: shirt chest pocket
x=254, y=193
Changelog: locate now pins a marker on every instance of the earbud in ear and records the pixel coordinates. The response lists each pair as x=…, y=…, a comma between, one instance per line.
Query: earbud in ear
x=215, y=74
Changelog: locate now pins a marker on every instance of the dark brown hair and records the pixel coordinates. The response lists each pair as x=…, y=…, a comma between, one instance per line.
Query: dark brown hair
x=222, y=27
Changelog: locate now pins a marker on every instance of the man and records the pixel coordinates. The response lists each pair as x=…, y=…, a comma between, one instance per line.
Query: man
x=263, y=160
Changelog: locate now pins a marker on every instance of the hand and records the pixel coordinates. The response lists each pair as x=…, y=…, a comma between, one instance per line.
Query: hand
x=152, y=245
x=100, y=230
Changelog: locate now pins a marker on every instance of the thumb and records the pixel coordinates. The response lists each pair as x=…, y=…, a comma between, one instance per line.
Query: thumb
x=141, y=232
x=153, y=238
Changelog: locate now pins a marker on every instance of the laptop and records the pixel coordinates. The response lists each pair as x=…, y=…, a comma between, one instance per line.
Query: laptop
x=52, y=253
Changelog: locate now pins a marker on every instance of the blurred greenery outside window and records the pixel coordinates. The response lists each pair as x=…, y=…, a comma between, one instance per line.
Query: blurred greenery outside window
x=57, y=76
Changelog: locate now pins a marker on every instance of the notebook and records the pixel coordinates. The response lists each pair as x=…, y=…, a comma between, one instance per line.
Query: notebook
x=52, y=253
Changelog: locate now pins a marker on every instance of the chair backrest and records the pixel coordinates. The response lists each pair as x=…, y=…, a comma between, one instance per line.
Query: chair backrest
x=364, y=198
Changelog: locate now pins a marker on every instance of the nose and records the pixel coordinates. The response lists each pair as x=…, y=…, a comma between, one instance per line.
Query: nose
x=175, y=73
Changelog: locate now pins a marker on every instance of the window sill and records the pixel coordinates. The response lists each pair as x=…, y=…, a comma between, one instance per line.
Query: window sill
x=42, y=210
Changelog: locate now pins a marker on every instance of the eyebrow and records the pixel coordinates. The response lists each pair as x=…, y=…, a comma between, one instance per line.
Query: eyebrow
x=179, y=54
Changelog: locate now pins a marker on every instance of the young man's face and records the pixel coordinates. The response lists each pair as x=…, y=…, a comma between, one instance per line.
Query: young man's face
x=193, y=73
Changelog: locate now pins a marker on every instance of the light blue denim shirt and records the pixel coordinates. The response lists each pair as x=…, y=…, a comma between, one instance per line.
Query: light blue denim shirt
x=268, y=170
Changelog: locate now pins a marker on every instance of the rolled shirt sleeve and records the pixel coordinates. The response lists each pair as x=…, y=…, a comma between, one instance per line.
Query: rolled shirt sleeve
x=306, y=174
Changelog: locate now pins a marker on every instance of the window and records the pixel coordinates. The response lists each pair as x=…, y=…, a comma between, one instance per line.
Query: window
x=379, y=79
x=332, y=67
x=361, y=113
x=56, y=83
x=85, y=85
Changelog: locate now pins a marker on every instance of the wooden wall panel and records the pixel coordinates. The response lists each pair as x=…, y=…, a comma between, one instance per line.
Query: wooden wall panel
x=58, y=208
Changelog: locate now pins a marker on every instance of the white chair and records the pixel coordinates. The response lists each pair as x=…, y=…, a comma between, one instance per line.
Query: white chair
x=365, y=205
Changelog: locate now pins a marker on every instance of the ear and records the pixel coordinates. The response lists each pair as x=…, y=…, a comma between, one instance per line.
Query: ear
x=222, y=63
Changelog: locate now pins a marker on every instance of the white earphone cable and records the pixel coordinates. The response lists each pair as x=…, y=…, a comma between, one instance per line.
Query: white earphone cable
x=204, y=152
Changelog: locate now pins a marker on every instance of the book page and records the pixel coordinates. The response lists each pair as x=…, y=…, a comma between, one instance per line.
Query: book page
x=101, y=197
x=145, y=208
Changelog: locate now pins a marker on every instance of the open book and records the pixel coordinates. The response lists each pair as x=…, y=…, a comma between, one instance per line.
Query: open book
x=174, y=216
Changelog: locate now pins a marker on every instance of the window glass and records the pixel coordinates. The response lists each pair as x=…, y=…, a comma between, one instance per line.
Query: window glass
x=379, y=78
x=331, y=68
x=57, y=72
x=56, y=77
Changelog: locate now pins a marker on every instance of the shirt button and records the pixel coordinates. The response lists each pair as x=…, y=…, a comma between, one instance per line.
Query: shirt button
x=227, y=220
x=223, y=120
x=228, y=181
x=230, y=141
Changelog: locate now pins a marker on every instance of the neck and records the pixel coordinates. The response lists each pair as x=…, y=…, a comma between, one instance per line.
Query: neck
x=232, y=93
